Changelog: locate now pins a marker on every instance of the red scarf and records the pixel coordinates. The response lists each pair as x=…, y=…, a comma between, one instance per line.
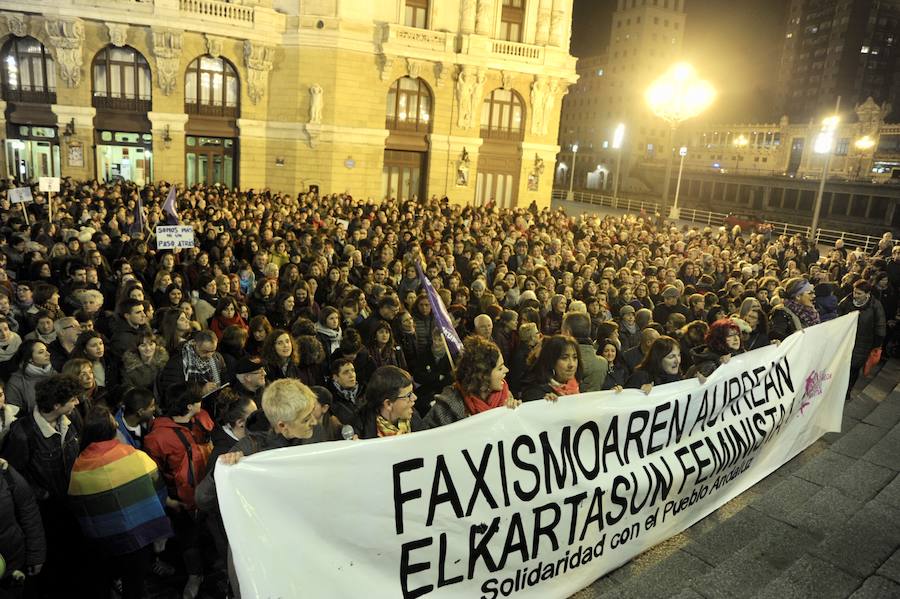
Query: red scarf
x=570, y=388
x=476, y=405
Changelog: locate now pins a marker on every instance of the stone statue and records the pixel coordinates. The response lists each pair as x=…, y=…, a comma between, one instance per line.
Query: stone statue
x=483, y=16
x=465, y=85
x=316, y=99
x=462, y=169
x=538, y=102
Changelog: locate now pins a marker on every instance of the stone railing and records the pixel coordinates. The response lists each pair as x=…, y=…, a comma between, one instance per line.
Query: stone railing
x=417, y=39
x=524, y=52
x=217, y=9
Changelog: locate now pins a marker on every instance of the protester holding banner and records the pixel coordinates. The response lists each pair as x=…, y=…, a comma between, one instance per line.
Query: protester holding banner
x=479, y=385
x=556, y=371
x=617, y=372
x=661, y=365
x=723, y=340
x=797, y=310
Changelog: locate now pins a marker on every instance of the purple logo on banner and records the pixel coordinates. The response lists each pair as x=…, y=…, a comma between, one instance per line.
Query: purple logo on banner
x=454, y=343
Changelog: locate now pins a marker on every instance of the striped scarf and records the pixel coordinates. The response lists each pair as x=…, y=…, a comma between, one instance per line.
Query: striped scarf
x=117, y=495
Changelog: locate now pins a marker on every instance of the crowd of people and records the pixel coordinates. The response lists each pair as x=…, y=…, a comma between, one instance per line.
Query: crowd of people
x=127, y=372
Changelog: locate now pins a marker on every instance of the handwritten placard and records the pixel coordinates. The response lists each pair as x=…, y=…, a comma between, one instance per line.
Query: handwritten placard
x=20, y=194
x=173, y=237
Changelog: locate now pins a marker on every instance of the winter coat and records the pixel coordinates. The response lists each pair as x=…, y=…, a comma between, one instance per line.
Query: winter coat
x=593, y=368
x=616, y=374
x=826, y=306
x=218, y=324
x=8, y=414
x=137, y=373
x=783, y=323
x=870, y=328
x=641, y=377
x=22, y=541
x=369, y=430
x=20, y=388
x=706, y=360
x=123, y=337
x=181, y=460
x=45, y=462
x=448, y=407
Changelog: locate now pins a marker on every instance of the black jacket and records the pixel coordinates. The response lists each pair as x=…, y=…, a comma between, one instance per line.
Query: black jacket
x=22, y=541
x=46, y=463
x=641, y=377
x=870, y=329
x=369, y=430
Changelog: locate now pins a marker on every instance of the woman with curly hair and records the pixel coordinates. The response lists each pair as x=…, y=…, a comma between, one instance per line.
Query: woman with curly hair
x=383, y=350
x=92, y=347
x=480, y=385
x=723, y=340
x=280, y=356
x=141, y=364
x=312, y=360
x=260, y=327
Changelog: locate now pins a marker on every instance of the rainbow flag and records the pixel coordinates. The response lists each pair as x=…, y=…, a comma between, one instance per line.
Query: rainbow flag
x=118, y=497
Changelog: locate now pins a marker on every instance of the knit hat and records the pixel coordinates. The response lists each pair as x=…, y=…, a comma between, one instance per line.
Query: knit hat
x=670, y=291
x=796, y=286
x=626, y=309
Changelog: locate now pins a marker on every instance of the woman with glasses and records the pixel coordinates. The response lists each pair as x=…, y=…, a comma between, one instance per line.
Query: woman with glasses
x=723, y=340
x=389, y=407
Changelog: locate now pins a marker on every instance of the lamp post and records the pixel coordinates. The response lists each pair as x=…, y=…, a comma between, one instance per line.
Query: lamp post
x=863, y=144
x=824, y=145
x=618, y=137
x=675, y=97
x=571, y=196
x=683, y=152
x=740, y=143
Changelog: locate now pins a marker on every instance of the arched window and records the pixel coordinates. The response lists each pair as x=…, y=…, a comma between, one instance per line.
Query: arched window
x=212, y=88
x=503, y=116
x=29, y=73
x=409, y=105
x=121, y=79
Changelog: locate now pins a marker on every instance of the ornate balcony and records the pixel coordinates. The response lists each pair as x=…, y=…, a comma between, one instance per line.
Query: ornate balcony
x=411, y=41
x=517, y=51
x=231, y=112
x=139, y=105
x=28, y=95
x=218, y=10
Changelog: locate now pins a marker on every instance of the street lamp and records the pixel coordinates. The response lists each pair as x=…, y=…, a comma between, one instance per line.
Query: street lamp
x=571, y=196
x=618, y=137
x=682, y=152
x=863, y=144
x=675, y=97
x=824, y=144
x=740, y=143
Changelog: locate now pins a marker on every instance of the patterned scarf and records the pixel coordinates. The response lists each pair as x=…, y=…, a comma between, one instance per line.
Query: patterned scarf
x=476, y=405
x=197, y=368
x=387, y=429
x=807, y=315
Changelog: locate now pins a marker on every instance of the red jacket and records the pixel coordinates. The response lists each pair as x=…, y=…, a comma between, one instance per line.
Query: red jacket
x=167, y=448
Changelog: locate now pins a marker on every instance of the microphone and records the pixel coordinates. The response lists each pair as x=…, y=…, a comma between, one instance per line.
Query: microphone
x=347, y=432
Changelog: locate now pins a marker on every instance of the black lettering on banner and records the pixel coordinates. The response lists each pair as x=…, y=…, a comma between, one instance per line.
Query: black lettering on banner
x=480, y=485
x=574, y=501
x=442, y=561
x=442, y=474
x=594, y=430
x=401, y=497
x=544, y=530
x=635, y=435
x=611, y=443
x=618, y=499
x=480, y=550
x=526, y=441
x=407, y=569
x=595, y=513
x=561, y=466
x=503, y=473
x=657, y=424
x=783, y=371
x=515, y=541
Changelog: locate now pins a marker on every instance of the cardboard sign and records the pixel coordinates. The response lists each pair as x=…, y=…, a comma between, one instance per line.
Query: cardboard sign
x=48, y=184
x=172, y=237
x=20, y=194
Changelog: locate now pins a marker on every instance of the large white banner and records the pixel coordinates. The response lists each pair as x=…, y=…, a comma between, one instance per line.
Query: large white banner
x=534, y=502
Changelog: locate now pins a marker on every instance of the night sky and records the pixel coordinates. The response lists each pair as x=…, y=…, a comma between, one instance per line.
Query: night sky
x=735, y=45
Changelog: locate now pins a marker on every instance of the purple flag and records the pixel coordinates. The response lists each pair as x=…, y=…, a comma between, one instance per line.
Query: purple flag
x=138, y=213
x=169, y=208
x=441, y=316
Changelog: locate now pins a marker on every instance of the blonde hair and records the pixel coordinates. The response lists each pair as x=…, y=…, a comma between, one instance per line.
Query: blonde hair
x=287, y=399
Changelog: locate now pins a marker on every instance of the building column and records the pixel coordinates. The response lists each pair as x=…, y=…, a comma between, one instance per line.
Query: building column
x=76, y=151
x=446, y=169
x=4, y=167
x=167, y=129
x=253, y=160
x=537, y=168
x=767, y=195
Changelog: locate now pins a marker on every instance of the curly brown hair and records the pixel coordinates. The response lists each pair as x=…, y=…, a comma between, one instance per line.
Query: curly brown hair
x=473, y=368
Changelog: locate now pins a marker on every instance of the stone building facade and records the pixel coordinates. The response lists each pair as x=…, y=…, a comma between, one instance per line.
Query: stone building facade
x=396, y=97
